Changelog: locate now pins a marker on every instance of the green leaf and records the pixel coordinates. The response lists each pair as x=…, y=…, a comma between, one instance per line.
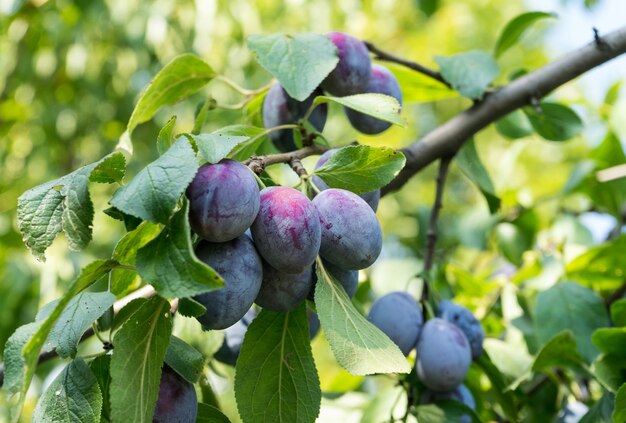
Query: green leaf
x=125, y=253
x=275, y=377
x=359, y=346
x=610, y=340
x=126, y=312
x=184, y=359
x=618, y=312
x=140, y=347
x=14, y=364
x=515, y=28
x=109, y=170
x=130, y=222
x=619, y=413
x=214, y=147
x=100, y=367
x=601, y=411
x=154, y=192
x=361, y=168
x=380, y=106
x=419, y=88
x=503, y=395
x=61, y=204
x=210, y=414
x=74, y=396
x=189, y=307
x=560, y=351
x=202, y=111
x=165, y=139
x=514, y=125
x=169, y=263
x=180, y=78
x=610, y=370
x=445, y=412
x=247, y=148
x=469, y=73
x=80, y=313
x=568, y=305
x=555, y=122
x=600, y=267
x=470, y=164
x=300, y=62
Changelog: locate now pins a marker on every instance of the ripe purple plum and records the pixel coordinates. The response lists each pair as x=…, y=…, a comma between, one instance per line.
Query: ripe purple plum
x=466, y=321
x=287, y=230
x=443, y=356
x=399, y=316
x=314, y=323
x=460, y=394
x=381, y=82
x=349, y=279
x=351, y=235
x=352, y=73
x=281, y=109
x=177, y=401
x=223, y=200
x=283, y=291
x=372, y=198
x=240, y=266
x=233, y=339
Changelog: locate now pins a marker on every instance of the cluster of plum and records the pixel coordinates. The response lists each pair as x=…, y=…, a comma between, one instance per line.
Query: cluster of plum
x=445, y=344
x=354, y=74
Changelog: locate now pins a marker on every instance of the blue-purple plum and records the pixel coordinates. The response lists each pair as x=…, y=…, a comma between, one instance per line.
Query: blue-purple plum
x=381, y=82
x=286, y=230
x=240, y=266
x=223, y=200
x=372, y=198
x=233, y=339
x=351, y=235
x=177, y=401
x=466, y=321
x=399, y=316
x=460, y=394
x=349, y=279
x=281, y=109
x=443, y=356
x=283, y=291
x=352, y=73
x=314, y=323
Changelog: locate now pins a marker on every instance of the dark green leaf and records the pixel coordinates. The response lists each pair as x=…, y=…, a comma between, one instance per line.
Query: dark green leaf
x=619, y=413
x=569, y=306
x=445, y=412
x=275, y=378
x=214, y=147
x=359, y=346
x=140, y=347
x=601, y=410
x=181, y=77
x=610, y=340
x=100, y=367
x=189, y=307
x=500, y=390
x=610, y=370
x=210, y=414
x=130, y=222
x=166, y=136
x=515, y=28
x=14, y=364
x=74, y=396
x=554, y=122
x=361, y=168
x=128, y=310
x=469, y=73
x=514, y=125
x=300, y=62
x=169, y=263
x=618, y=312
x=560, y=351
x=247, y=148
x=184, y=359
x=380, y=106
x=470, y=164
x=109, y=170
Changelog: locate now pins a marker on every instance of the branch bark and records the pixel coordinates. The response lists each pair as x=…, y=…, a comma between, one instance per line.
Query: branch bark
x=258, y=163
x=528, y=89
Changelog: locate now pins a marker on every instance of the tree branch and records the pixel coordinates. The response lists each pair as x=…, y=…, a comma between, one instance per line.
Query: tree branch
x=449, y=137
x=388, y=57
x=258, y=163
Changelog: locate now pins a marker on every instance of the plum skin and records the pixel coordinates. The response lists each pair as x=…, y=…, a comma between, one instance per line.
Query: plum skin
x=466, y=321
x=398, y=316
x=283, y=291
x=177, y=401
x=381, y=82
x=352, y=73
x=223, y=200
x=281, y=109
x=443, y=355
x=351, y=234
x=287, y=229
x=348, y=279
x=240, y=266
x=372, y=198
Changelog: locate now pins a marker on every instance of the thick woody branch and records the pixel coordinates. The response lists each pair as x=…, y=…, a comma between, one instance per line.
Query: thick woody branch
x=526, y=90
x=258, y=163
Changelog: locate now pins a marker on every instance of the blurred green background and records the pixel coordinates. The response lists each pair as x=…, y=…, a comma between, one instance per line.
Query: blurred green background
x=70, y=72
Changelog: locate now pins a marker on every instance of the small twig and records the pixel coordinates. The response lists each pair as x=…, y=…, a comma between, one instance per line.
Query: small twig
x=602, y=45
x=388, y=57
x=258, y=163
x=296, y=165
x=431, y=235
